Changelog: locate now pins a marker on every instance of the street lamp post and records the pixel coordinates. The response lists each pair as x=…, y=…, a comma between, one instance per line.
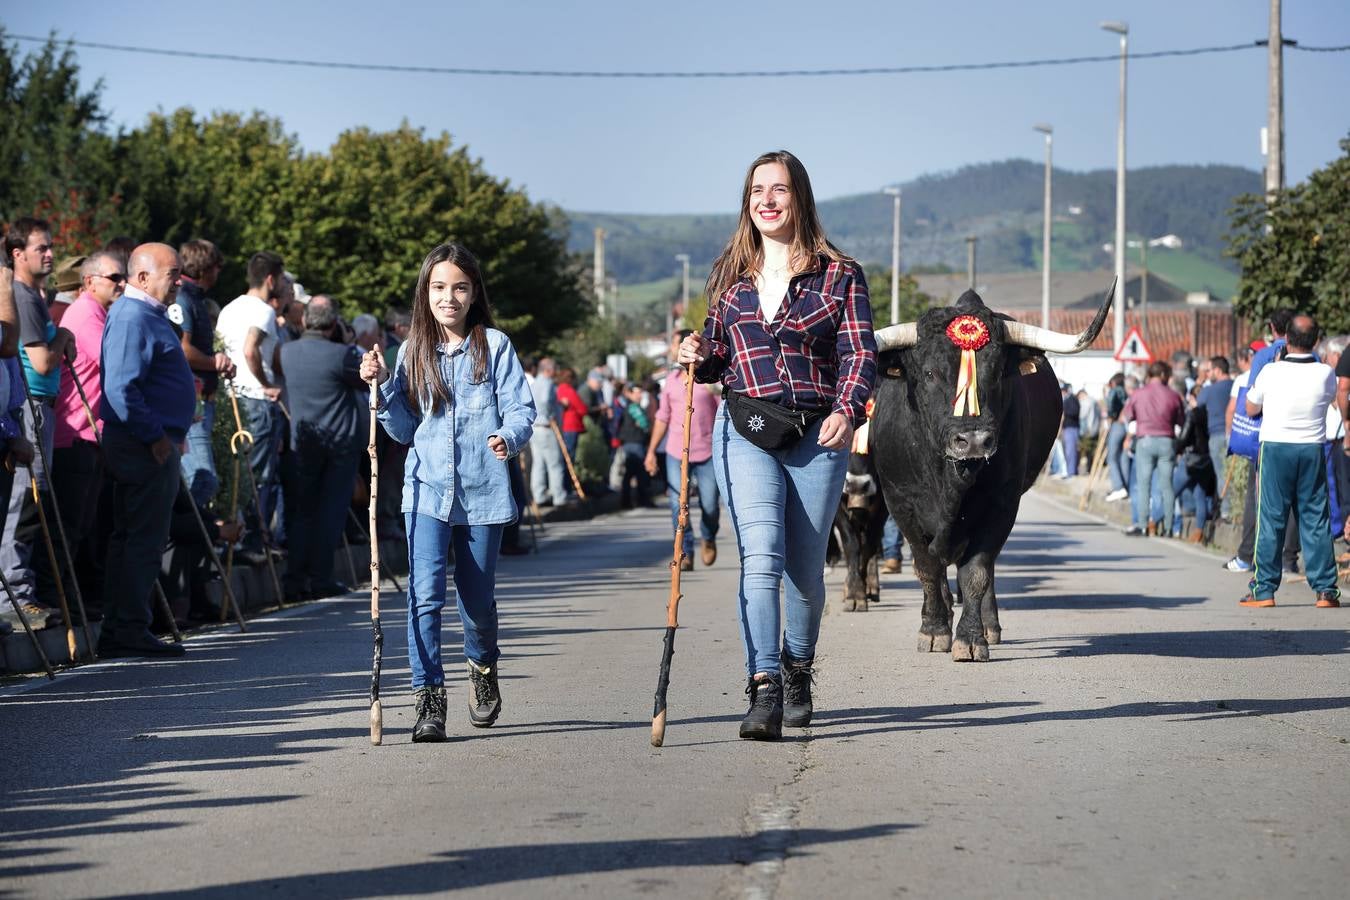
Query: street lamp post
x=683, y=259
x=1123, y=30
x=895, y=254
x=1045, y=231
x=1171, y=242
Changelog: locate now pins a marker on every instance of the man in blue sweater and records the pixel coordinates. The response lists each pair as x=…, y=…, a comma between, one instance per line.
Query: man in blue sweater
x=147, y=406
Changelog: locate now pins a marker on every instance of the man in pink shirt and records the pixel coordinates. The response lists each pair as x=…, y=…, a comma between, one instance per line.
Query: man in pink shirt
x=670, y=425
x=1156, y=410
x=77, y=464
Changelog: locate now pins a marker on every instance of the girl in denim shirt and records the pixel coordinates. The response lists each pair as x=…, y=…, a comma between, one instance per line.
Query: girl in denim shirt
x=458, y=396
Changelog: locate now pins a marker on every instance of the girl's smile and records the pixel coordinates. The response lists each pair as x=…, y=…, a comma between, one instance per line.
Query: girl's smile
x=450, y=292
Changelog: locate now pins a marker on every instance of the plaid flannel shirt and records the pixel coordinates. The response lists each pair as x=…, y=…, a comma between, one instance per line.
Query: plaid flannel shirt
x=818, y=350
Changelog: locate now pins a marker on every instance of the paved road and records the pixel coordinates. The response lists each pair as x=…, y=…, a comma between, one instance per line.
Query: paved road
x=1137, y=734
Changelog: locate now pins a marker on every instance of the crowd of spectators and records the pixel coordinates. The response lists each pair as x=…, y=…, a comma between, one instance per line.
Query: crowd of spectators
x=116, y=369
x=1174, y=441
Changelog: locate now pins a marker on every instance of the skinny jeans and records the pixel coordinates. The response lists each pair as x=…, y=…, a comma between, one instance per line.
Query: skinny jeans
x=1115, y=456
x=433, y=546
x=1150, y=453
x=782, y=505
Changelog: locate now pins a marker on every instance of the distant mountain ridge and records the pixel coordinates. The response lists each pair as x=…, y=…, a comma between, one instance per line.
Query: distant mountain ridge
x=999, y=202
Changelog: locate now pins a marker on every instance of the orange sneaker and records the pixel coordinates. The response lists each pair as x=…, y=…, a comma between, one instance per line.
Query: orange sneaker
x=1261, y=602
x=1329, y=600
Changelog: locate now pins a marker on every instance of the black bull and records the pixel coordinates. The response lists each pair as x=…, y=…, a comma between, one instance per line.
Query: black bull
x=954, y=482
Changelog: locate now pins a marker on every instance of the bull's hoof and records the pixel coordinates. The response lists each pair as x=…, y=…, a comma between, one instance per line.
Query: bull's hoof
x=993, y=636
x=855, y=604
x=964, y=651
x=873, y=597
x=935, y=643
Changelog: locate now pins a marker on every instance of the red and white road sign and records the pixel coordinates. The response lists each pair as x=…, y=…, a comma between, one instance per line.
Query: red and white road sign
x=1132, y=348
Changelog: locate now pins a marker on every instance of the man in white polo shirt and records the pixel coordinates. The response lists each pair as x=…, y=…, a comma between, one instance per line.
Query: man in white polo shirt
x=1293, y=393
x=248, y=328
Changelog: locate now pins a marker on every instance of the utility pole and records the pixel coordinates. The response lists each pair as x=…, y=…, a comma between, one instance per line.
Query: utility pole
x=599, y=274
x=971, y=241
x=1275, y=110
x=1045, y=231
x=895, y=255
x=1123, y=30
x=683, y=259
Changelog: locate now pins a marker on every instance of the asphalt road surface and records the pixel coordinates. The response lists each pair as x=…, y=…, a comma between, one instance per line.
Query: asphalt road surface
x=1136, y=734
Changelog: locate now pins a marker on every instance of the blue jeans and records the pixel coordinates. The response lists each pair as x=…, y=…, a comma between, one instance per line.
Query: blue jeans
x=1151, y=453
x=430, y=542
x=1218, y=454
x=782, y=506
x=891, y=539
x=570, y=439
x=1115, y=461
x=1191, y=495
x=708, y=500
x=264, y=421
x=1069, y=435
x=199, y=466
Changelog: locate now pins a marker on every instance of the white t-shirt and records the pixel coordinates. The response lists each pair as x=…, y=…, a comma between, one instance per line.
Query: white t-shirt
x=241, y=314
x=1294, y=397
x=1239, y=383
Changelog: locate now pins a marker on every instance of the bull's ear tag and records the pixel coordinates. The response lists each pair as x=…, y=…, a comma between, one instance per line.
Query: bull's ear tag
x=970, y=334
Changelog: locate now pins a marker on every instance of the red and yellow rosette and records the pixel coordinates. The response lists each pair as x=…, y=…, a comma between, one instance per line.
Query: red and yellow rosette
x=970, y=334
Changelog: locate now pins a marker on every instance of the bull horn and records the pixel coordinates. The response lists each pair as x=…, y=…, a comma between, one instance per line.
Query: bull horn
x=897, y=337
x=1056, y=342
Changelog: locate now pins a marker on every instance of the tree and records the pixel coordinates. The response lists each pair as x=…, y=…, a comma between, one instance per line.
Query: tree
x=54, y=154
x=1295, y=251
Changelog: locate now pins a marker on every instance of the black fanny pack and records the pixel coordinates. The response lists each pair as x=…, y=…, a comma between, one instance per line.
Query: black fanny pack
x=768, y=425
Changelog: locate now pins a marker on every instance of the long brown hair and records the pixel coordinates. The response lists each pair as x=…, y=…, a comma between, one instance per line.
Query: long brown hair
x=744, y=253
x=425, y=383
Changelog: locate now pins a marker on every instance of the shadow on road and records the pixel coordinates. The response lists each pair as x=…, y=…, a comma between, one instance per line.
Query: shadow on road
x=859, y=721
x=486, y=866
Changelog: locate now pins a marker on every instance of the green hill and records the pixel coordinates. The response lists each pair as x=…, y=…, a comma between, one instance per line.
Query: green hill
x=999, y=202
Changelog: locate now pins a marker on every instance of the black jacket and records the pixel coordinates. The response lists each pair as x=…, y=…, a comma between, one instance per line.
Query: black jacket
x=324, y=386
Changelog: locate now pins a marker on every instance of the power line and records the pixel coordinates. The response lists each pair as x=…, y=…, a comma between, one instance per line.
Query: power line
x=565, y=73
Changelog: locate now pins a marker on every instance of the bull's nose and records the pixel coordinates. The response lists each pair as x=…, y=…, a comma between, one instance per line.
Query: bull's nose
x=978, y=444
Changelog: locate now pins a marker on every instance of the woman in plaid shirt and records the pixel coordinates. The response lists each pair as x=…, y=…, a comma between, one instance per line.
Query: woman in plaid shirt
x=788, y=333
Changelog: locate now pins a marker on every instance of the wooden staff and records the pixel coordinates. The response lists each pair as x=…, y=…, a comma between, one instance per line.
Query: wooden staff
x=32, y=635
x=677, y=557
x=98, y=438
x=234, y=517
x=567, y=458
x=1227, y=477
x=387, y=573
x=61, y=532
x=244, y=442
x=376, y=711
x=71, y=642
x=1095, y=473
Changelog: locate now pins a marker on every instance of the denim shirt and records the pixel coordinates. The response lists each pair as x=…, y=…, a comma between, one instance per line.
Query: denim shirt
x=450, y=473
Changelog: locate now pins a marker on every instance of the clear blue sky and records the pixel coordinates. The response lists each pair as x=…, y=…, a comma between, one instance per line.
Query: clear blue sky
x=681, y=146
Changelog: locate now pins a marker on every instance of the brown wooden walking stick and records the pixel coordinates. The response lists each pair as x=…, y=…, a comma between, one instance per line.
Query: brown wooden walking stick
x=677, y=557
x=241, y=441
x=1095, y=472
x=71, y=642
x=567, y=458
x=361, y=531
x=61, y=532
x=376, y=711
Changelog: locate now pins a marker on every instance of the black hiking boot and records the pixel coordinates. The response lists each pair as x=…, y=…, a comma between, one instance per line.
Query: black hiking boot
x=485, y=699
x=764, y=720
x=797, y=676
x=429, y=703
